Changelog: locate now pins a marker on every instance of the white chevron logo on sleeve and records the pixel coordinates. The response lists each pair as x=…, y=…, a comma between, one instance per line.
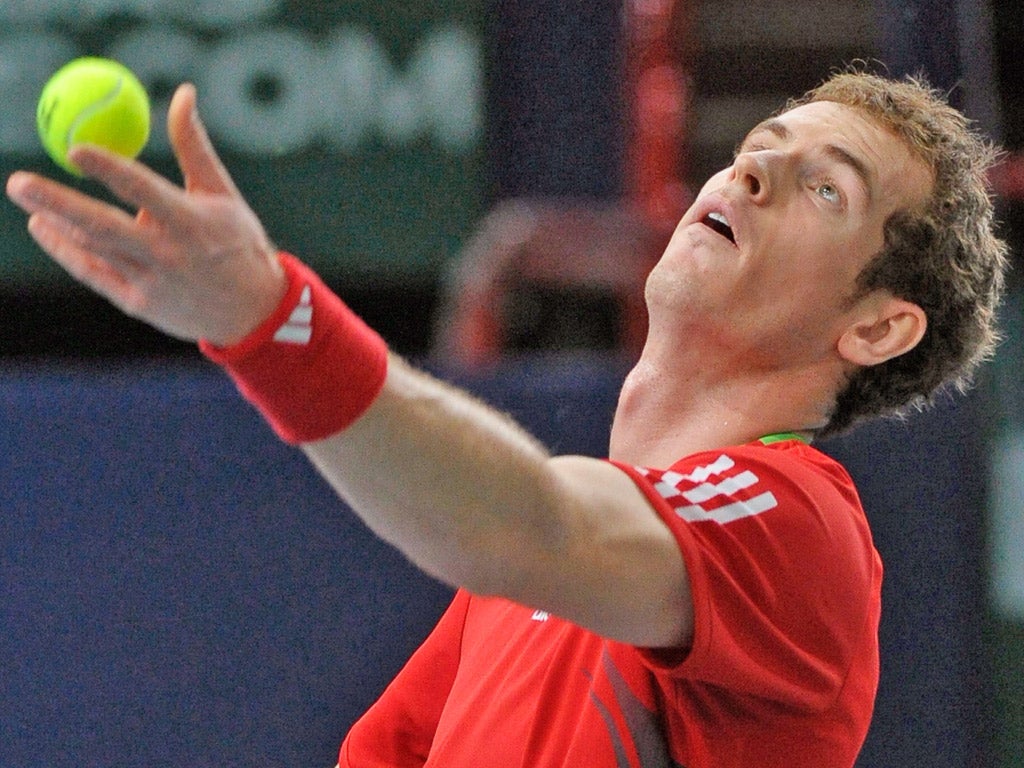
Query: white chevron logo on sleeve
x=298, y=328
x=712, y=497
x=728, y=513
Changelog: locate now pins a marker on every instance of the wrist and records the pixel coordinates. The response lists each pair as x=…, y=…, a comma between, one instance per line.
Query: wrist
x=312, y=367
x=264, y=294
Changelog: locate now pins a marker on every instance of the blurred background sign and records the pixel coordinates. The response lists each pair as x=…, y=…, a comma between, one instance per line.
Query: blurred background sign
x=354, y=128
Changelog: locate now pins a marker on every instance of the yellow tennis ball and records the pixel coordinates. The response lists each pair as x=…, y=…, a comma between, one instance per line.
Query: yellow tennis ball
x=92, y=100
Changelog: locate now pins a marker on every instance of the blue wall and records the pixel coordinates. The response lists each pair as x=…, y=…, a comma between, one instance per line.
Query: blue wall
x=178, y=588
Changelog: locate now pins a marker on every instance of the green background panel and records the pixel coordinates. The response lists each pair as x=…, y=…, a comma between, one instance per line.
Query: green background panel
x=388, y=212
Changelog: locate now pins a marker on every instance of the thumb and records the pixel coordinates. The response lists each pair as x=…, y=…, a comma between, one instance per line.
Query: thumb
x=201, y=167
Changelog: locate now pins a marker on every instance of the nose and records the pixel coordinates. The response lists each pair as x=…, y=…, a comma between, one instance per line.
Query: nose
x=752, y=171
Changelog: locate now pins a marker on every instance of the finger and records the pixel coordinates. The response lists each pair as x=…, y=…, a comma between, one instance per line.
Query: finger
x=26, y=190
x=102, y=275
x=134, y=184
x=56, y=233
x=199, y=162
x=107, y=227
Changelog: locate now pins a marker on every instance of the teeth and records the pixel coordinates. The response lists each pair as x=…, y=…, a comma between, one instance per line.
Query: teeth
x=716, y=216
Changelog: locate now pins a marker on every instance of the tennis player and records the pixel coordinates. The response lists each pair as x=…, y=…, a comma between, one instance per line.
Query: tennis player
x=708, y=596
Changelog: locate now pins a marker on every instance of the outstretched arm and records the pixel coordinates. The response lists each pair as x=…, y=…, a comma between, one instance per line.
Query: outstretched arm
x=461, y=490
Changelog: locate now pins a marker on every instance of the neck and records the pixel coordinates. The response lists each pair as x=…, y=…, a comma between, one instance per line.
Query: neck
x=664, y=414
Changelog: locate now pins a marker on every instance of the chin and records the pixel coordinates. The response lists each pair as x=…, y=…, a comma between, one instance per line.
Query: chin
x=676, y=282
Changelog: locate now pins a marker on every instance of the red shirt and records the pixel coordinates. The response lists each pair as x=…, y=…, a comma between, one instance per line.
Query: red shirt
x=782, y=671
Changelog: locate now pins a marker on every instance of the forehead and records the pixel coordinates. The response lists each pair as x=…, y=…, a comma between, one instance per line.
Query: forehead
x=894, y=174
x=838, y=120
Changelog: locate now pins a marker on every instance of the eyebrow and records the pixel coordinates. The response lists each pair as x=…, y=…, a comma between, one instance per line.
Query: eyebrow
x=834, y=152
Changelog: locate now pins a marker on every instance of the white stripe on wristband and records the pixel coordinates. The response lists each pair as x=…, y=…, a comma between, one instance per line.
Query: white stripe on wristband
x=311, y=368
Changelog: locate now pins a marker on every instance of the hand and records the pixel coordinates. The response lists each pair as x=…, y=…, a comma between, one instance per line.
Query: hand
x=194, y=262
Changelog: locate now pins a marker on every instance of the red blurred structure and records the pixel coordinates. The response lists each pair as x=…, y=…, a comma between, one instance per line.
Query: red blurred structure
x=542, y=274
x=659, y=86
x=1007, y=178
x=549, y=275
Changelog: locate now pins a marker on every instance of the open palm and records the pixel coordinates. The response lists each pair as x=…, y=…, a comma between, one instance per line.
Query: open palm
x=193, y=261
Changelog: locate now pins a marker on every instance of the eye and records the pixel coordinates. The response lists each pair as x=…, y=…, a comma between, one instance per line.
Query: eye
x=830, y=192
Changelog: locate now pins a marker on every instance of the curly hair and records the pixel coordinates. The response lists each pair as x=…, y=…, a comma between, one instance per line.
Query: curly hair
x=946, y=257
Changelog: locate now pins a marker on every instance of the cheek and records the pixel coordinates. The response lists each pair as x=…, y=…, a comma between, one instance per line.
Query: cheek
x=804, y=270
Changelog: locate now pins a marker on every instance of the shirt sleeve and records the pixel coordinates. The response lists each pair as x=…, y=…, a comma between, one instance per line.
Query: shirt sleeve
x=398, y=730
x=781, y=567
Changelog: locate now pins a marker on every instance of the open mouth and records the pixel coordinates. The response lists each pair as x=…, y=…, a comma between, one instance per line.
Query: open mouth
x=720, y=224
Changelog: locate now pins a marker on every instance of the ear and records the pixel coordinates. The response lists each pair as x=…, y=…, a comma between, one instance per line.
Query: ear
x=884, y=327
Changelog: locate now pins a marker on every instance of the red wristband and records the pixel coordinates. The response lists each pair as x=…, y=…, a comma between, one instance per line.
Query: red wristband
x=312, y=367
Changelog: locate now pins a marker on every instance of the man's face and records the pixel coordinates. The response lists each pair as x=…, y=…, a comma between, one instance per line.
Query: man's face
x=768, y=255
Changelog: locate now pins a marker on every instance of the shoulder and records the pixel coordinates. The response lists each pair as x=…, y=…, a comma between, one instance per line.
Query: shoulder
x=742, y=481
x=781, y=565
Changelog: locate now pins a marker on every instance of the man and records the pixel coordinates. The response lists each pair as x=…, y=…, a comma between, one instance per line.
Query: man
x=709, y=596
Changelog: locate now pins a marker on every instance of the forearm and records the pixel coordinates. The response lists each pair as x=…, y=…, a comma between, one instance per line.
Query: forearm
x=458, y=487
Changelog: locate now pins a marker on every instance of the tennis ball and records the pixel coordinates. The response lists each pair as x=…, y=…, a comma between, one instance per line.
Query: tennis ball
x=92, y=100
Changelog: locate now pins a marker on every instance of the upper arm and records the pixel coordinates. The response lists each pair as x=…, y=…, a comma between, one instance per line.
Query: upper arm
x=612, y=564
